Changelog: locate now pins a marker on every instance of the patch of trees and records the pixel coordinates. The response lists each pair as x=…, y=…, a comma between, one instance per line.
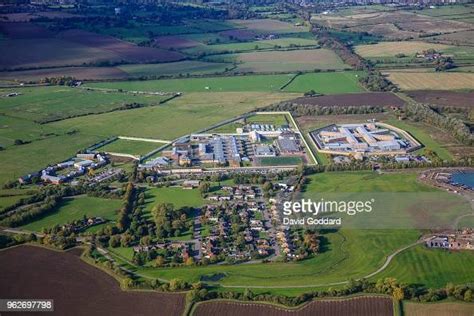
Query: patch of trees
x=444, y=63
x=171, y=222
x=456, y=127
x=313, y=109
x=33, y=212
x=375, y=81
x=343, y=51
x=124, y=216
x=59, y=81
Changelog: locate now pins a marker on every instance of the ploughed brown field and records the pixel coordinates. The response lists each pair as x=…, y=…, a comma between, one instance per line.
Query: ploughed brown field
x=69, y=48
x=363, y=306
x=76, y=287
x=354, y=99
x=444, y=98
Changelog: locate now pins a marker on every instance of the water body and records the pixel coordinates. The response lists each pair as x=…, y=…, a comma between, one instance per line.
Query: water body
x=463, y=178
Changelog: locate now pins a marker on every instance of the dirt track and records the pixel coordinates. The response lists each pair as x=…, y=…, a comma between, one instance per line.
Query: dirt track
x=76, y=287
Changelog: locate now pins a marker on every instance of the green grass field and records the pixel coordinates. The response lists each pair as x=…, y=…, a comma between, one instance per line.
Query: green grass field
x=424, y=137
x=210, y=84
x=280, y=161
x=432, y=267
x=327, y=83
x=58, y=102
x=277, y=119
x=174, y=195
x=252, y=46
x=132, y=147
x=176, y=68
x=74, y=209
x=63, y=139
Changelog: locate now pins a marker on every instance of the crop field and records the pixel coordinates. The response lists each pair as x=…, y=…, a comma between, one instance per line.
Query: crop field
x=74, y=209
x=254, y=45
x=175, y=68
x=327, y=83
x=444, y=98
x=46, y=104
x=421, y=265
x=458, y=38
x=437, y=309
x=132, y=147
x=390, y=49
x=394, y=25
x=268, y=26
x=80, y=73
x=432, y=81
x=54, y=274
x=49, y=52
x=287, y=61
x=369, y=306
x=208, y=84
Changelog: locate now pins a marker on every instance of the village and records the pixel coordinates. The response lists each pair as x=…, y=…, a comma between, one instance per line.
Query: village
x=238, y=224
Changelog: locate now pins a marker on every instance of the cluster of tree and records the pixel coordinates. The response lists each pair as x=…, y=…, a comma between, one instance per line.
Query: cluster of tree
x=456, y=127
x=32, y=213
x=12, y=240
x=375, y=81
x=343, y=51
x=124, y=216
x=298, y=109
x=444, y=63
x=62, y=239
x=59, y=81
x=171, y=222
x=306, y=243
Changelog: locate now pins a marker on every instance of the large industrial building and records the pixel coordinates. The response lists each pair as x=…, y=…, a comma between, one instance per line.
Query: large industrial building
x=363, y=139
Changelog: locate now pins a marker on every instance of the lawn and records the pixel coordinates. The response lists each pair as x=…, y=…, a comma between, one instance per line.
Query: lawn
x=177, y=196
x=432, y=267
x=210, y=84
x=280, y=161
x=422, y=135
x=277, y=119
x=74, y=209
x=327, y=83
x=132, y=147
x=366, y=181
